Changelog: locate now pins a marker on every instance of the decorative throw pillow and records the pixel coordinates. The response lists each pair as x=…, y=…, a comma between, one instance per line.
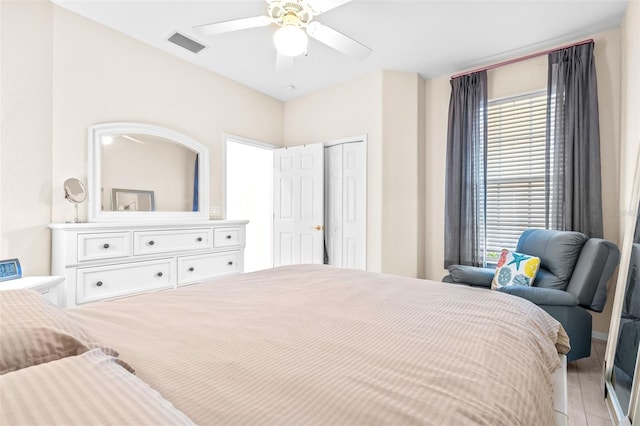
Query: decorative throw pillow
x=515, y=269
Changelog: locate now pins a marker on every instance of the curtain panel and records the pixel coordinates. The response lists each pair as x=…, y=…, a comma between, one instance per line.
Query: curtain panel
x=466, y=175
x=573, y=181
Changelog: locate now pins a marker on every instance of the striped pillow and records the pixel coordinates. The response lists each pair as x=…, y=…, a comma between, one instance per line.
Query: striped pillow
x=33, y=331
x=87, y=389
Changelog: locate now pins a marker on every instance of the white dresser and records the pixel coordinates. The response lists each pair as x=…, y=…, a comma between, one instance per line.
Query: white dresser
x=108, y=260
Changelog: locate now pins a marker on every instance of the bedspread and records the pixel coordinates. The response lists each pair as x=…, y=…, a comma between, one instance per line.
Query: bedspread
x=318, y=345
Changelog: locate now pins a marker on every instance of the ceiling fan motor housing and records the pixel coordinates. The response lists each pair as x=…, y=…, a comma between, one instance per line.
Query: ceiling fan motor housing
x=297, y=13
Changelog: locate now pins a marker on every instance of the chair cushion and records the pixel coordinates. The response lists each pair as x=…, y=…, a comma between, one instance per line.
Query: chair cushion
x=515, y=268
x=558, y=252
x=545, y=279
x=542, y=296
x=595, y=266
x=471, y=275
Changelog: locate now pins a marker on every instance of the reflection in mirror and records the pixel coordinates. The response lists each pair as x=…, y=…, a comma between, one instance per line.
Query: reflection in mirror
x=142, y=172
x=628, y=343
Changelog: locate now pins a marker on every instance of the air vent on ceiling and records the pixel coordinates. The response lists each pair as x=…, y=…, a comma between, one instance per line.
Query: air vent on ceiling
x=187, y=43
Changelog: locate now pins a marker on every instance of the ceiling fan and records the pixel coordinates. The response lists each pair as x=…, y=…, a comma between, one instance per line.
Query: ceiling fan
x=294, y=18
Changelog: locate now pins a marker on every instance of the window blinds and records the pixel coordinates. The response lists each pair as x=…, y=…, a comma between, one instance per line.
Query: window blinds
x=515, y=170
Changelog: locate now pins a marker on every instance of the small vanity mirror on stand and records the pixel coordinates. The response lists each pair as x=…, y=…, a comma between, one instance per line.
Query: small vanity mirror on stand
x=75, y=192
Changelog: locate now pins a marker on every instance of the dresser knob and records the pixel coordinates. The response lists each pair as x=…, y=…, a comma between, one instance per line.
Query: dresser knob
x=151, y=242
x=159, y=274
x=230, y=263
x=106, y=246
x=99, y=283
x=228, y=237
x=199, y=239
x=191, y=269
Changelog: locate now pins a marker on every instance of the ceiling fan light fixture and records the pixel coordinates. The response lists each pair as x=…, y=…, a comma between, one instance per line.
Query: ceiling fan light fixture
x=291, y=40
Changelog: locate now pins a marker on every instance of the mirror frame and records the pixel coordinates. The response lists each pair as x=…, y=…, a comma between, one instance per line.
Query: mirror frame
x=96, y=214
x=615, y=410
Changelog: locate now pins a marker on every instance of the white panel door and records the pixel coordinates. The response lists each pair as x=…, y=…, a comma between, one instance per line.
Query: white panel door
x=346, y=204
x=333, y=203
x=354, y=209
x=298, y=205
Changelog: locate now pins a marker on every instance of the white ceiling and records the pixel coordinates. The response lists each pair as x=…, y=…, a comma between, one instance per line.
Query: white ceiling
x=430, y=37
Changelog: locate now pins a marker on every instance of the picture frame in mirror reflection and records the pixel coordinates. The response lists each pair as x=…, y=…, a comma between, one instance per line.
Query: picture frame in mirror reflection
x=132, y=200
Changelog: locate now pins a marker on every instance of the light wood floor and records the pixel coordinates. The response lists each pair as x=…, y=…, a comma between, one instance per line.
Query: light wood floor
x=586, y=398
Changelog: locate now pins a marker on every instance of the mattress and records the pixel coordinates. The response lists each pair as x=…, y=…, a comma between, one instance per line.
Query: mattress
x=318, y=345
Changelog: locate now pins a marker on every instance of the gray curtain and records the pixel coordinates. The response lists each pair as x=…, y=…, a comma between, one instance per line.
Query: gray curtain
x=574, y=198
x=466, y=171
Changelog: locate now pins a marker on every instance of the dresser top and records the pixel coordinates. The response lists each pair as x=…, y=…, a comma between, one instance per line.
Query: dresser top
x=86, y=226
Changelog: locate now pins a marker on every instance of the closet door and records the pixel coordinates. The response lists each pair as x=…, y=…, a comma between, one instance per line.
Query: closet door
x=346, y=204
x=333, y=204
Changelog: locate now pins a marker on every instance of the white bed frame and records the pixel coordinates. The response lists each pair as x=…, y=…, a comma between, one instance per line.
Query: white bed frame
x=560, y=398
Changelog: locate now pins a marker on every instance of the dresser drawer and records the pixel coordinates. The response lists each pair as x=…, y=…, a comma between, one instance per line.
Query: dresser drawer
x=103, y=282
x=227, y=237
x=106, y=245
x=198, y=268
x=151, y=242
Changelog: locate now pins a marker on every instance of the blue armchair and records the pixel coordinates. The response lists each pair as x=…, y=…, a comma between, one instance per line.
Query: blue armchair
x=572, y=279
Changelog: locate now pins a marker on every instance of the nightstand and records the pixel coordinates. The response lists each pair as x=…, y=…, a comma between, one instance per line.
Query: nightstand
x=50, y=287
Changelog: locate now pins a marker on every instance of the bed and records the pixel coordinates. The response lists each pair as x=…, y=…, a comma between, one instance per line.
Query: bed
x=318, y=345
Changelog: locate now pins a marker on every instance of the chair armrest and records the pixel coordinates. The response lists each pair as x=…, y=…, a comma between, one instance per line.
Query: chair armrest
x=542, y=296
x=471, y=275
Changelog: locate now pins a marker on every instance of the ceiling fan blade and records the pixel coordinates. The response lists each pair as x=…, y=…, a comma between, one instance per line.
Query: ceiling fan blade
x=284, y=63
x=337, y=40
x=321, y=6
x=234, y=25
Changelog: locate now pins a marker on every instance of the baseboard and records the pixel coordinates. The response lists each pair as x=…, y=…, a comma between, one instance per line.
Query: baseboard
x=596, y=335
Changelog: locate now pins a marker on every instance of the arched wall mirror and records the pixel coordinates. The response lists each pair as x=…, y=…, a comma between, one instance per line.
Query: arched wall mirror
x=621, y=360
x=141, y=172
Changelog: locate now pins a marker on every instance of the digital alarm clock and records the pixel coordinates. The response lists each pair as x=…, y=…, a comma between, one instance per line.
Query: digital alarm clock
x=10, y=269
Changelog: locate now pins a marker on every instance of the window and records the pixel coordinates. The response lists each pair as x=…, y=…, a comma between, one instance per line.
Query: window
x=515, y=187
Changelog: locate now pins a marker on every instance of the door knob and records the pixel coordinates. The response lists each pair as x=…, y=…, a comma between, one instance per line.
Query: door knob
x=318, y=227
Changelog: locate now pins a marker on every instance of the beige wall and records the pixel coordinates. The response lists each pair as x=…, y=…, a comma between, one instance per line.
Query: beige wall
x=630, y=105
x=437, y=93
x=73, y=73
x=511, y=80
x=629, y=151
x=25, y=133
x=120, y=79
x=386, y=106
x=345, y=110
x=401, y=94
